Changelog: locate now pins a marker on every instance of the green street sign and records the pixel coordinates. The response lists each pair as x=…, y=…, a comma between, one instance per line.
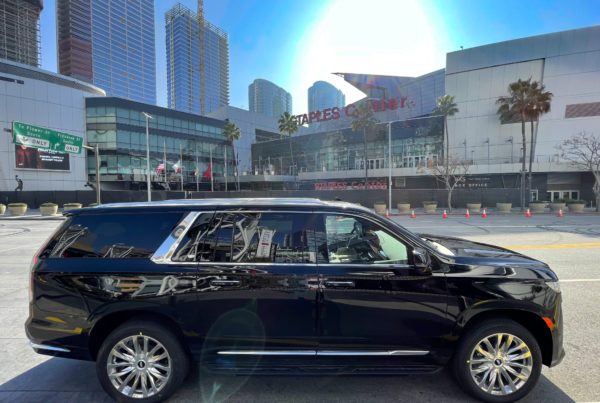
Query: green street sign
x=38, y=137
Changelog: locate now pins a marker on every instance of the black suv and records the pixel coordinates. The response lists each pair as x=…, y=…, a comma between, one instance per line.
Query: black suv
x=277, y=286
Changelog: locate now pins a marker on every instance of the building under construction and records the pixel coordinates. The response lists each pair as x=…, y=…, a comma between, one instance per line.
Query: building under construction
x=20, y=31
x=197, y=61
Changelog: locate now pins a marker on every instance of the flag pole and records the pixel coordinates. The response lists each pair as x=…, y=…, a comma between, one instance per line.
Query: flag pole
x=211, y=175
x=225, y=168
x=165, y=161
x=197, y=172
x=181, y=167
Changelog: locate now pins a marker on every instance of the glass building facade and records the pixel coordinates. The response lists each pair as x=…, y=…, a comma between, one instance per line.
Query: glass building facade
x=415, y=142
x=323, y=95
x=110, y=43
x=20, y=31
x=118, y=126
x=268, y=99
x=197, y=63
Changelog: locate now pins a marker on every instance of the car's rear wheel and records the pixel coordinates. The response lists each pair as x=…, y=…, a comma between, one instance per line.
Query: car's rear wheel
x=498, y=361
x=141, y=361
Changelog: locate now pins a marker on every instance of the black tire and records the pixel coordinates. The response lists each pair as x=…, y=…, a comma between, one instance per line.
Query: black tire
x=461, y=364
x=155, y=332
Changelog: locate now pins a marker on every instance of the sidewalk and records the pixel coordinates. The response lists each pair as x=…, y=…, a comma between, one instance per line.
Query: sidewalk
x=32, y=214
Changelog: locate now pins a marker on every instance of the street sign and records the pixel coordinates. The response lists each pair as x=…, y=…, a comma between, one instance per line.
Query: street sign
x=38, y=137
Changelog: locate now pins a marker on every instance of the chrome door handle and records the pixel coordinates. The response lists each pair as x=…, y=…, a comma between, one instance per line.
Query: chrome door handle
x=339, y=283
x=224, y=282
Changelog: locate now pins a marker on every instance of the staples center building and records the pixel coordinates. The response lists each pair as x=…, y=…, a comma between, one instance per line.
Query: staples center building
x=331, y=155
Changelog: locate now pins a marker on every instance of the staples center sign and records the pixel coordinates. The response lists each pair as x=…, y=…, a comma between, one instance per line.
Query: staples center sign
x=335, y=113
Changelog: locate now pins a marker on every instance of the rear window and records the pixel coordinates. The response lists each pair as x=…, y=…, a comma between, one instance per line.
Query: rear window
x=124, y=235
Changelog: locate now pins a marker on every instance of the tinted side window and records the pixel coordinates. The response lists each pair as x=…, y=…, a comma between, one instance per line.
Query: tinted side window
x=356, y=240
x=113, y=235
x=250, y=238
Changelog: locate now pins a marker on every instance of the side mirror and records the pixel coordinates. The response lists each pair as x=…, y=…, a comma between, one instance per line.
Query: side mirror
x=421, y=261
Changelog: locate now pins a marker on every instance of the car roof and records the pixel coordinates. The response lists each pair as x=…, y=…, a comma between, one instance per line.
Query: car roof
x=229, y=203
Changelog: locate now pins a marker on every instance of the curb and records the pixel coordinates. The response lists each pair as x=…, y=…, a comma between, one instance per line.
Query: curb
x=33, y=218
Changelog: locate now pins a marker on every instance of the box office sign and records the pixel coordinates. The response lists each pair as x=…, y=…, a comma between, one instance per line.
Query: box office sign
x=46, y=139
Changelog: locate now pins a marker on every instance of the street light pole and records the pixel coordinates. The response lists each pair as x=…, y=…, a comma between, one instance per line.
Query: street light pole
x=95, y=150
x=148, y=156
x=390, y=165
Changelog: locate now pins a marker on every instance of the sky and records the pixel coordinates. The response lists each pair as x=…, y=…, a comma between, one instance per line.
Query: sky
x=294, y=43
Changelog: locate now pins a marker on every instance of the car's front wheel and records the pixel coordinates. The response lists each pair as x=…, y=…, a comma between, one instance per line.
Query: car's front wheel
x=498, y=361
x=141, y=361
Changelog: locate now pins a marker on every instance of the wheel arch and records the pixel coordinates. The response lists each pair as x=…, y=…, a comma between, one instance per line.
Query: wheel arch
x=104, y=326
x=529, y=320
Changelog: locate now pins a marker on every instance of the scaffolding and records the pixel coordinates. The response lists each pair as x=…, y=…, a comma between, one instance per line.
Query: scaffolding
x=20, y=31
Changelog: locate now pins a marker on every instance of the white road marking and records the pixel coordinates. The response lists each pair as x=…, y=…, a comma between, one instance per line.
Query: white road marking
x=579, y=280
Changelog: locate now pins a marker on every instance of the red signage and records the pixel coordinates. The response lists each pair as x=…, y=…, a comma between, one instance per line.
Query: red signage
x=324, y=115
x=349, y=185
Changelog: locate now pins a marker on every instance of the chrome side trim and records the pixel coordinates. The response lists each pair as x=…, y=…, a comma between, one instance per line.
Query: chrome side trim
x=50, y=348
x=167, y=248
x=385, y=353
x=258, y=352
x=371, y=353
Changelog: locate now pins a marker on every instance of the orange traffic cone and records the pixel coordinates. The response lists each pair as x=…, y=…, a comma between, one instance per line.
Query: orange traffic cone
x=445, y=215
x=467, y=214
x=560, y=214
x=387, y=213
x=528, y=214
x=412, y=215
x=484, y=214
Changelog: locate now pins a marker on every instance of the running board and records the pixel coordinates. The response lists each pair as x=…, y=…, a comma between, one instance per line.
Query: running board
x=329, y=353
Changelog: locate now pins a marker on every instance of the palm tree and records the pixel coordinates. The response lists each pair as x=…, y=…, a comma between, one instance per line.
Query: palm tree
x=289, y=125
x=517, y=103
x=539, y=104
x=232, y=132
x=364, y=120
x=446, y=107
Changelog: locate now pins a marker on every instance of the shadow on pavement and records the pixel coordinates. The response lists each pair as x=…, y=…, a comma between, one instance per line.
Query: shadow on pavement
x=60, y=380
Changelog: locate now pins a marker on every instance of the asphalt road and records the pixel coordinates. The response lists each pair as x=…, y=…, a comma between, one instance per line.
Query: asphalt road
x=571, y=245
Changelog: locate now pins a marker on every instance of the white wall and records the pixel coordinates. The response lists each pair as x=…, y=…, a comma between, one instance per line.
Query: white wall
x=47, y=105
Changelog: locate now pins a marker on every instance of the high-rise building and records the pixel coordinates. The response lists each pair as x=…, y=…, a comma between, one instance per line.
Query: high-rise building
x=197, y=62
x=20, y=30
x=269, y=99
x=109, y=43
x=323, y=95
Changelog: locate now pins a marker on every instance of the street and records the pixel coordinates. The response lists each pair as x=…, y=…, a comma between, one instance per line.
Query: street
x=570, y=245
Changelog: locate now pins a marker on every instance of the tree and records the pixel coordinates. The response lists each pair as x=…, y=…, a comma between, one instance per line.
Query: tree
x=289, y=125
x=582, y=151
x=517, y=103
x=446, y=107
x=363, y=119
x=451, y=172
x=539, y=104
x=232, y=132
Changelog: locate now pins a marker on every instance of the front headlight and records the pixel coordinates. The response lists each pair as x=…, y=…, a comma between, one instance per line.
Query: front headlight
x=555, y=285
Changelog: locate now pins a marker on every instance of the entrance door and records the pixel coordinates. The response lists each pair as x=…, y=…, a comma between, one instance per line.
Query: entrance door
x=374, y=300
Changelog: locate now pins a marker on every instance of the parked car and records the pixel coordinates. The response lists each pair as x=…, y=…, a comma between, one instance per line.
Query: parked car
x=271, y=286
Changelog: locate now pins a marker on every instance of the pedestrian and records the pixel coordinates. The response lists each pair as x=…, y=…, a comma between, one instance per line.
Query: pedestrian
x=19, y=184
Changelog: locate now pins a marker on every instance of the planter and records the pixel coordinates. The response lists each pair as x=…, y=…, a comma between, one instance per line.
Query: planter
x=503, y=207
x=48, y=210
x=380, y=207
x=403, y=207
x=429, y=207
x=557, y=206
x=71, y=206
x=2, y=209
x=17, y=208
x=537, y=207
x=576, y=207
x=474, y=207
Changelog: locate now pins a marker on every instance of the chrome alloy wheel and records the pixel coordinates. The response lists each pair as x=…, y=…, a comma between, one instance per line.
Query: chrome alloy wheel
x=500, y=364
x=139, y=366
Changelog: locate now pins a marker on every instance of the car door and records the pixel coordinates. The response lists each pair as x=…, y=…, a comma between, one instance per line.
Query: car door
x=374, y=300
x=257, y=283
